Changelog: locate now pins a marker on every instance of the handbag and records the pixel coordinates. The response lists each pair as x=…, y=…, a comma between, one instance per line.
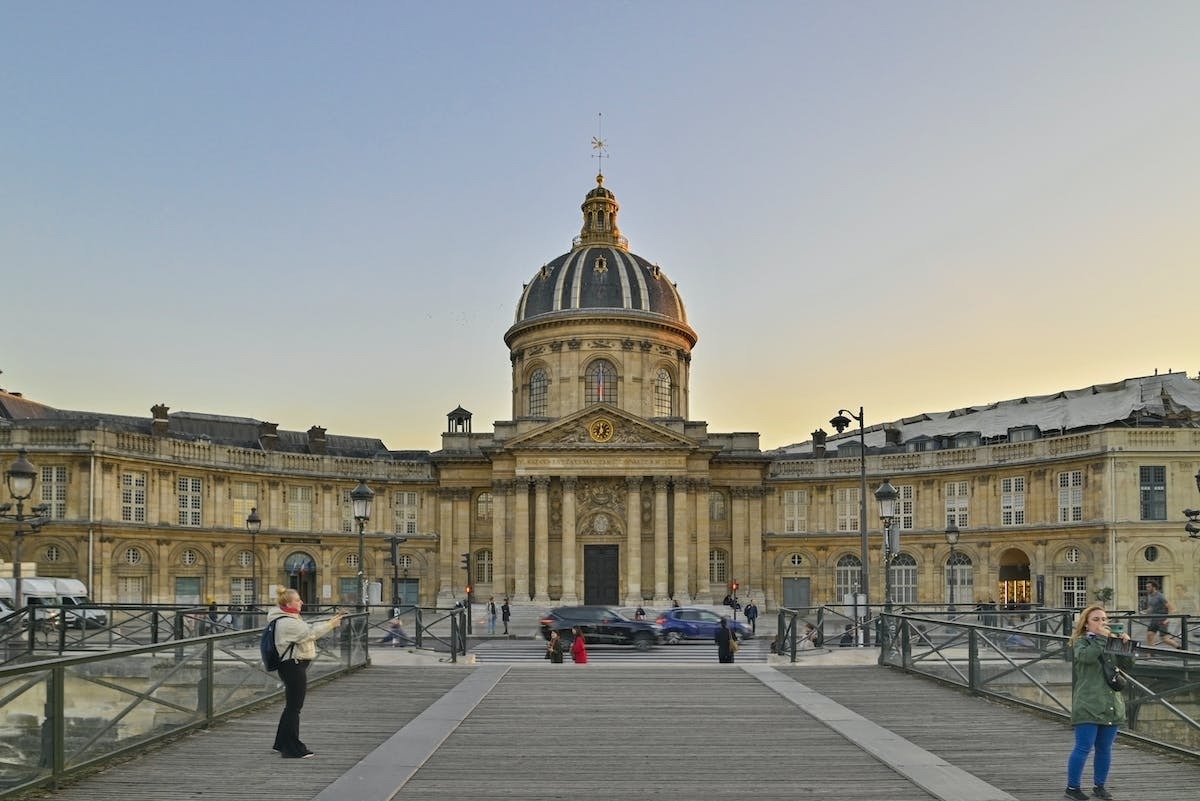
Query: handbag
x=1113, y=676
x=733, y=645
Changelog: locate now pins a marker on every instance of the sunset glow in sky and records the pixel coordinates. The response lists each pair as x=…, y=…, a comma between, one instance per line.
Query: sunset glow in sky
x=323, y=214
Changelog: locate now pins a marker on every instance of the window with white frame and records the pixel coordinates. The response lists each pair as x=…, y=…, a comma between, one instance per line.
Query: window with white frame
x=795, y=511
x=1154, y=492
x=241, y=591
x=483, y=566
x=718, y=567
x=960, y=576
x=906, y=506
x=957, y=504
x=190, y=492
x=347, y=515
x=133, y=497
x=133, y=555
x=1074, y=592
x=52, y=554
x=664, y=405
x=846, y=575
x=299, y=508
x=243, y=497
x=1012, y=501
x=245, y=559
x=406, y=506
x=904, y=579
x=1070, y=496
x=539, y=393
x=483, y=506
x=846, y=502
x=54, y=490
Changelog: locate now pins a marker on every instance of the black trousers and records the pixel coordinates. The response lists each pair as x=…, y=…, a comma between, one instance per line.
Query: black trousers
x=294, y=675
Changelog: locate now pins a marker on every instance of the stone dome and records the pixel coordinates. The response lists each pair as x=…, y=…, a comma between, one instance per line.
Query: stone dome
x=600, y=274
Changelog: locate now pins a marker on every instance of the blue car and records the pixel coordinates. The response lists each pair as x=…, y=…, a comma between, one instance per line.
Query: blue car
x=694, y=623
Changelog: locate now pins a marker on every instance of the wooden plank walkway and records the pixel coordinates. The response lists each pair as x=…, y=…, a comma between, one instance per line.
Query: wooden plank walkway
x=630, y=731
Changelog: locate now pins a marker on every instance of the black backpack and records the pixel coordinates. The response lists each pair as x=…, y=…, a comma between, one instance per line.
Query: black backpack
x=270, y=656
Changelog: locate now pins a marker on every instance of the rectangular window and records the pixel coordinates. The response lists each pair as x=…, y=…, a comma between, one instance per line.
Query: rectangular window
x=1070, y=496
x=846, y=577
x=54, y=490
x=133, y=497
x=1012, y=501
x=241, y=590
x=243, y=496
x=406, y=512
x=795, y=511
x=348, y=523
x=190, y=492
x=957, y=504
x=716, y=506
x=906, y=506
x=904, y=582
x=848, y=504
x=299, y=508
x=1154, y=493
x=1074, y=592
x=718, y=567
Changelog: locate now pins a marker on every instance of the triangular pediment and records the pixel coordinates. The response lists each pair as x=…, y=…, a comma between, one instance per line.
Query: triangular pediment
x=600, y=427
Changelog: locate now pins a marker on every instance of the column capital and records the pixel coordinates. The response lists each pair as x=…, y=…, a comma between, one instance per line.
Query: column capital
x=522, y=483
x=570, y=482
x=633, y=483
x=542, y=482
x=661, y=483
x=502, y=486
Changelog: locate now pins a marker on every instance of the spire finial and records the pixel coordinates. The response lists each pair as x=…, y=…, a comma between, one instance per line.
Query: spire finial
x=601, y=148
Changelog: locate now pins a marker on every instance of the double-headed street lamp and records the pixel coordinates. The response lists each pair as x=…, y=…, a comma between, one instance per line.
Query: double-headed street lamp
x=1193, y=515
x=21, y=477
x=840, y=424
x=254, y=525
x=887, y=495
x=360, y=501
x=952, y=535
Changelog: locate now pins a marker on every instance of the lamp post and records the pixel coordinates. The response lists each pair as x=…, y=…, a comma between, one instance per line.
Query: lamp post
x=21, y=477
x=952, y=535
x=360, y=501
x=395, y=542
x=840, y=423
x=1193, y=515
x=886, y=495
x=254, y=525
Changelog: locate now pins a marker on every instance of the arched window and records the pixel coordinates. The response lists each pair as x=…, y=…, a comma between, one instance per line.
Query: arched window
x=483, y=566
x=483, y=506
x=600, y=383
x=846, y=576
x=716, y=506
x=959, y=581
x=539, y=386
x=664, y=395
x=904, y=579
x=718, y=567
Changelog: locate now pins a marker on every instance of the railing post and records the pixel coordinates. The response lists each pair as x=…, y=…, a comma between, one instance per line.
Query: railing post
x=1183, y=635
x=206, y=683
x=54, y=740
x=453, y=638
x=419, y=626
x=973, y=659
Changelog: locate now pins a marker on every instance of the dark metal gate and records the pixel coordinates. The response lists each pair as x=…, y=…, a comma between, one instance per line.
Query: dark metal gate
x=601, y=574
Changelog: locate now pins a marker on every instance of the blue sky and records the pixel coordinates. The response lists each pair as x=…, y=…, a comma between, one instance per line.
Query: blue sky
x=322, y=214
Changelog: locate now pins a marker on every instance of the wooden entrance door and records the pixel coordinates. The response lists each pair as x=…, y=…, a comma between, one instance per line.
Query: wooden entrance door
x=601, y=574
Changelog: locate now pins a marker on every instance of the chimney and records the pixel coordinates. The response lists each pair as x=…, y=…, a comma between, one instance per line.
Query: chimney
x=891, y=435
x=268, y=436
x=316, y=440
x=160, y=425
x=819, y=442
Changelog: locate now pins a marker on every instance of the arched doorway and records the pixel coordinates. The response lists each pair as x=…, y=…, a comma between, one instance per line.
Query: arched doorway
x=301, y=570
x=1014, y=586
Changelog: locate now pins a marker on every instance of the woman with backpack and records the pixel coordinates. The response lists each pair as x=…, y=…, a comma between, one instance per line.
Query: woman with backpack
x=296, y=644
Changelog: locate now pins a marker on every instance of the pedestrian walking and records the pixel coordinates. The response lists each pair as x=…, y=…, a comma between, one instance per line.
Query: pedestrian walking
x=1096, y=707
x=726, y=642
x=492, y=615
x=639, y=613
x=1158, y=606
x=554, y=650
x=578, y=647
x=751, y=613
x=505, y=614
x=298, y=641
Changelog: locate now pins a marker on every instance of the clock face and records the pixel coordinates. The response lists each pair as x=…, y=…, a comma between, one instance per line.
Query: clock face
x=601, y=430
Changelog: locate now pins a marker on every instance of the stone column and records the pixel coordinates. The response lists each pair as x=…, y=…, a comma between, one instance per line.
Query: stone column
x=541, y=545
x=462, y=539
x=738, y=516
x=703, y=594
x=633, y=541
x=683, y=541
x=755, y=581
x=446, y=561
x=501, y=490
x=661, y=559
x=520, y=559
x=570, y=593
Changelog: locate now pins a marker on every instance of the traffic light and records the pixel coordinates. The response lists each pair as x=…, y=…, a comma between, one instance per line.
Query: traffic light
x=735, y=586
x=466, y=562
x=470, y=596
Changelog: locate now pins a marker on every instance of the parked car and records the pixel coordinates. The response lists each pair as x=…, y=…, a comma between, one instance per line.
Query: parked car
x=78, y=609
x=695, y=623
x=601, y=625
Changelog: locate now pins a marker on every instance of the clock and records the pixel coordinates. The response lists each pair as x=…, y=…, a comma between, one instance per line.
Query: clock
x=601, y=430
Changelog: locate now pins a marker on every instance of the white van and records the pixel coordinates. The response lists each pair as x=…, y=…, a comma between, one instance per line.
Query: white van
x=72, y=594
x=35, y=592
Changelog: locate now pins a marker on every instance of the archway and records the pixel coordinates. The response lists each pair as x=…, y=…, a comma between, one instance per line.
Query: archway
x=1013, y=588
x=301, y=570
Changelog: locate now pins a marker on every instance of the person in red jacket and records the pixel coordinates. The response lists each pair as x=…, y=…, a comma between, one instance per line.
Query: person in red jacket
x=578, y=647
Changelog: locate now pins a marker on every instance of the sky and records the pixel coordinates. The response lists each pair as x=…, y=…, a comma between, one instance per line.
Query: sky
x=319, y=213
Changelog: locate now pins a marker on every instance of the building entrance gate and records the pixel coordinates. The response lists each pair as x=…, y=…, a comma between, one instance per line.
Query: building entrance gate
x=601, y=574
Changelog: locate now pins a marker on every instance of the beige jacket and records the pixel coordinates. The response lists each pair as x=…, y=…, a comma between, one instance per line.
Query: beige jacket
x=291, y=629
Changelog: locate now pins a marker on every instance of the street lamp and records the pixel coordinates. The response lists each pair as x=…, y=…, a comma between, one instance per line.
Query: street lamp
x=254, y=525
x=21, y=477
x=952, y=535
x=886, y=495
x=360, y=501
x=840, y=424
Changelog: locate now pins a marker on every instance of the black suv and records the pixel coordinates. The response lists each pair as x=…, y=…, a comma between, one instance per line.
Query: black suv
x=601, y=625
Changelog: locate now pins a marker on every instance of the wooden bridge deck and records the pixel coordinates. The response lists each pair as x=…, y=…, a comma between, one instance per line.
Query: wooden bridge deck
x=646, y=731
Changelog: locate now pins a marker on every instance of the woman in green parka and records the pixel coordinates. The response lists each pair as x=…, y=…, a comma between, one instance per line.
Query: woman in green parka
x=1096, y=709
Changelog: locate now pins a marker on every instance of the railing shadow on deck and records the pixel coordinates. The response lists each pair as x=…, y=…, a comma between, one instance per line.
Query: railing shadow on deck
x=66, y=715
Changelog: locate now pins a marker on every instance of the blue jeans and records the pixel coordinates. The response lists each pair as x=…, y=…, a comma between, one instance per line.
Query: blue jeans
x=1090, y=736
